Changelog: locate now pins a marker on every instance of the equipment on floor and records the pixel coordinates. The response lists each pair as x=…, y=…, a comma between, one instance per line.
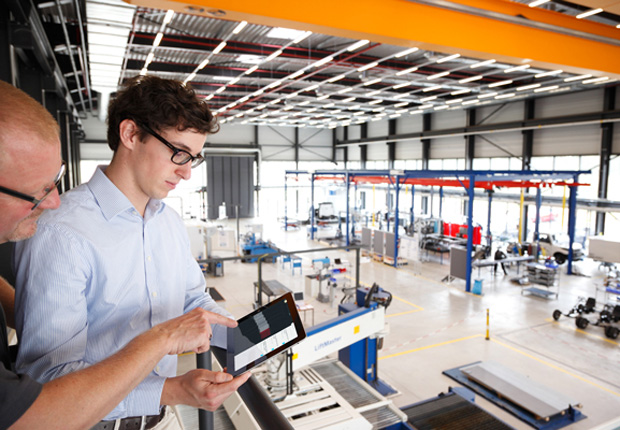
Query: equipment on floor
x=252, y=245
x=583, y=306
x=534, y=403
x=608, y=316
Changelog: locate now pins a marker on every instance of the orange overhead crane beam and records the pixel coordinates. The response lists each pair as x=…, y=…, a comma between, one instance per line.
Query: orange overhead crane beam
x=500, y=29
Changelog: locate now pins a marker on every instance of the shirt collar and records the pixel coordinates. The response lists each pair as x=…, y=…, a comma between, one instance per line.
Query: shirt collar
x=112, y=201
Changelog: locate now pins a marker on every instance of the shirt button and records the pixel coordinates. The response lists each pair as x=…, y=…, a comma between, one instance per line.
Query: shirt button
x=148, y=258
x=157, y=368
x=154, y=293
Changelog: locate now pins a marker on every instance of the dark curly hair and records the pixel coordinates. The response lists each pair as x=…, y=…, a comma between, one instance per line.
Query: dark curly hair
x=158, y=103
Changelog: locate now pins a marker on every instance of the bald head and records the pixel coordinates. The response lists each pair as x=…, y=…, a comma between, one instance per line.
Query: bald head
x=20, y=114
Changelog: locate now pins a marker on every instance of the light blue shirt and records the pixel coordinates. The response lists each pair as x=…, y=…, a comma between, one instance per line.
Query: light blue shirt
x=96, y=275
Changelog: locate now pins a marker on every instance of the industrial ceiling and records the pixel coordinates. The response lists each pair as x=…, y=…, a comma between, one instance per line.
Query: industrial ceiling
x=277, y=69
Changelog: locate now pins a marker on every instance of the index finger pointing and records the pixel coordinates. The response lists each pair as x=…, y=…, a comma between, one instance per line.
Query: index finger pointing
x=220, y=319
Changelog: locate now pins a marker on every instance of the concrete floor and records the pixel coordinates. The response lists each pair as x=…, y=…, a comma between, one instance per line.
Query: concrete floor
x=434, y=326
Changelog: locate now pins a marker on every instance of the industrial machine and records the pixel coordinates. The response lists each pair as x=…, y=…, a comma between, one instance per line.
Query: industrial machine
x=253, y=246
x=608, y=317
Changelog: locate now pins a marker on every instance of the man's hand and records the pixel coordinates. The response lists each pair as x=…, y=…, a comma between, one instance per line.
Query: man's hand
x=191, y=331
x=201, y=388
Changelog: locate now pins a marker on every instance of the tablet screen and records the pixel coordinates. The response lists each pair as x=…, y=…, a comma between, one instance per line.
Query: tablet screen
x=262, y=334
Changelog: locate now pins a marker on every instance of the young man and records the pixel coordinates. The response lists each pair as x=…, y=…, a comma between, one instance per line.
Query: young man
x=115, y=261
x=30, y=168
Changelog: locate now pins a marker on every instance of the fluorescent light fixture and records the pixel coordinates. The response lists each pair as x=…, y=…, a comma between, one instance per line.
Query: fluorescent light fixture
x=401, y=110
x=401, y=104
x=233, y=81
x=239, y=115
x=335, y=78
x=301, y=37
x=251, y=70
x=426, y=106
x=437, y=75
x=589, y=13
x=517, y=68
x=379, y=109
x=223, y=78
x=290, y=96
x=261, y=107
x=191, y=77
x=470, y=79
x=220, y=110
x=505, y=96
x=356, y=45
x=375, y=102
x=239, y=27
x=311, y=87
x=537, y=3
x=323, y=61
x=471, y=102
x=345, y=90
x=220, y=89
x=250, y=59
x=486, y=95
x=323, y=97
x=289, y=107
x=359, y=113
x=406, y=52
x=312, y=110
x=328, y=105
x=265, y=115
x=275, y=102
x=257, y=92
x=549, y=73
x=243, y=99
x=433, y=88
x=428, y=99
x=459, y=92
x=336, y=111
x=448, y=58
x=552, y=87
x=442, y=107
x=374, y=93
x=528, y=87
x=285, y=33
x=157, y=40
x=376, y=118
x=274, y=84
x=368, y=66
x=577, y=78
x=501, y=83
x=400, y=96
x=374, y=81
x=449, y=102
x=168, y=17
x=415, y=112
x=203, y=64
x=482, y=64
x=350, y=99
x=143, y=71
x=595, y=80
x=273, y=55
x=396, y=115
x=219, y=47
x=296, y=74
x=209, y=97
x=149, y=58
x=403, y=85
x=404, y=72
x=304, y=103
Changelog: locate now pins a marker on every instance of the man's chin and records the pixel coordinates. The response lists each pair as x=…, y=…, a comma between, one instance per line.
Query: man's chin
x=25, y=230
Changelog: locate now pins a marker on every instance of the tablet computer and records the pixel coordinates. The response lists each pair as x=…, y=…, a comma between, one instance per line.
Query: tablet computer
x=260, y=335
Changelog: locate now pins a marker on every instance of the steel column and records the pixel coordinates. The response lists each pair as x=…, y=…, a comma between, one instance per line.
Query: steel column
x=572, y=219
x=391, y=145
x=538, y=205
x=205, y=418
x=347, y=199
x=470, y=231
x=426, y=143
x=312, y=206
x=470, y=141
x=528, y=148
x=489, y=237
x=607, y=135
x=396, y=222
x=440, y=202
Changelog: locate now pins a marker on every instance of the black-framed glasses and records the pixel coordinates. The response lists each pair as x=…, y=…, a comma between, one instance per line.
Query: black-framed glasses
x=179, y=156
x=47, y=191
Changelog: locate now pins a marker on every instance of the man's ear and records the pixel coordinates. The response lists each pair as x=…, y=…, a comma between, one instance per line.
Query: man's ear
x=129, y=134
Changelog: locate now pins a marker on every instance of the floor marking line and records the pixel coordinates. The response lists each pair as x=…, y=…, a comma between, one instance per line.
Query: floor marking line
x=409, y=303
x=553, y=366
x=404, y=313
x=578, y=330
x=422, y=348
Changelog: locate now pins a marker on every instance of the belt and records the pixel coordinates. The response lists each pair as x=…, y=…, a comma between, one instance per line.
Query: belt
x=132, y=423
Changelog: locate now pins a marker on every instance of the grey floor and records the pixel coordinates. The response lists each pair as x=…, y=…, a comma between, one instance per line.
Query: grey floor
x=434, y=326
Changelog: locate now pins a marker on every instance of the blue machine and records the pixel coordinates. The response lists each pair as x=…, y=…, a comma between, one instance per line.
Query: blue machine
x=253, y=246
x=362, y=356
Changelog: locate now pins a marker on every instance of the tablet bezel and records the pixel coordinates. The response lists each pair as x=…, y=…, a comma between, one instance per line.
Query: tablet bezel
x=295, y=319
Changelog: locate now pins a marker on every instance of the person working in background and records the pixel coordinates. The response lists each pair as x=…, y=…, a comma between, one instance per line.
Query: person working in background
x=114, y=262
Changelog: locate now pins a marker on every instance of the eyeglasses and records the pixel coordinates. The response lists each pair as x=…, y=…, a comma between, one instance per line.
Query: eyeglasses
x=179, y=156
x=47, y=191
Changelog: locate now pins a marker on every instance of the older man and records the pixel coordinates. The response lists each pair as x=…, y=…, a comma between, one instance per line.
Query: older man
x=30, y=168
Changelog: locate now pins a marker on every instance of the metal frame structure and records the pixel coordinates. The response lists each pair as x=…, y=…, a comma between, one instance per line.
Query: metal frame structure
x=469, y=180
